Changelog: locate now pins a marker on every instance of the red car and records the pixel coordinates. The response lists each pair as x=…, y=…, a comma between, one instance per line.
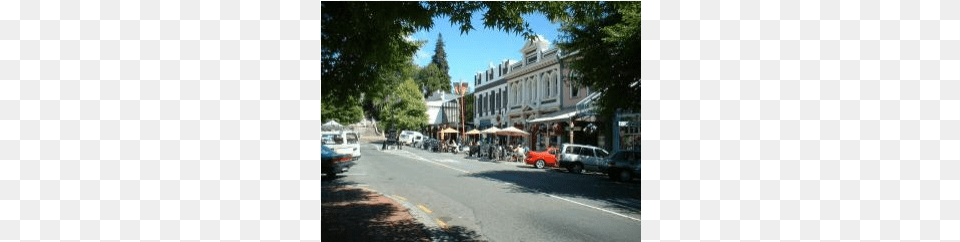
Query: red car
x=540, y=159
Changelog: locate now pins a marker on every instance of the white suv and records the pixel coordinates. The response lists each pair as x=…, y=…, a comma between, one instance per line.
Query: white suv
x=577, y=158
x=410, y=137
x=343, y=142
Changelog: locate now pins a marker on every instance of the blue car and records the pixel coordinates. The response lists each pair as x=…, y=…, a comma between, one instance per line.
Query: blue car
x=333, y=162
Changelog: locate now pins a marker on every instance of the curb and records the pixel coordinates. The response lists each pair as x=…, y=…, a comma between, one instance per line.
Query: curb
x=435, y=229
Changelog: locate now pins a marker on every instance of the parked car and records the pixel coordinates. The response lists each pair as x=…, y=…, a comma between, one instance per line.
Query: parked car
x=578, y=158
x=333, y=162
x=541, y=159
x=624, y=165
x=408, y=137
x=344, y=142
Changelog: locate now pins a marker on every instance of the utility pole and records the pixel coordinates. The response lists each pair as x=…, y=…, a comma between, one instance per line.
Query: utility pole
x=463, y=128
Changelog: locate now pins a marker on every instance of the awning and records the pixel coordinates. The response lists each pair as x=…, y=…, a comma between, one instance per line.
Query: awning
x=561, y=116
x=585, y=107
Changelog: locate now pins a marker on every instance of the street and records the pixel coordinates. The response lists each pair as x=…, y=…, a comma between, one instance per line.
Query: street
x=505, y=201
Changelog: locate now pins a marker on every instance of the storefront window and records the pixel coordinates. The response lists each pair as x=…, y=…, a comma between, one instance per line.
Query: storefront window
x=630, y=131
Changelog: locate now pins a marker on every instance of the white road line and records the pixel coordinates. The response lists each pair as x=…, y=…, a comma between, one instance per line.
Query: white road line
x=434, y=162
x=581, y=204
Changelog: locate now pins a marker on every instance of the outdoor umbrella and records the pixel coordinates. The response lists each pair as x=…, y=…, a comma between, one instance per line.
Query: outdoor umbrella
x=491, y=130
x=474, y=131
x=511, y=131
x=447, y=131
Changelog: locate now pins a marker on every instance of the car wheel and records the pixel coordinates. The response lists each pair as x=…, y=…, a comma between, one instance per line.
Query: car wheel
x=577, y=168
x=613, y=175
x=624, y=175
x=539, y=164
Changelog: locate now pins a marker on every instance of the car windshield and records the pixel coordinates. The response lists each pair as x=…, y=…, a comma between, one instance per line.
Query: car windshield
x=602, y=153
x=332, y=139
x=619, y=156
x=352, y=138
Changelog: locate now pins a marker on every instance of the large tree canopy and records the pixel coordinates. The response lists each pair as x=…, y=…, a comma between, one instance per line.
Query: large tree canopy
x=404, y=107
x=433, y=79
x=605, y=38
x=361, y=40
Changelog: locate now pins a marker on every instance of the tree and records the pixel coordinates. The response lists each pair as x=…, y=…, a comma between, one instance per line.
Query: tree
x=346, y=112
x=605, y=38
x=404, y=107
x=433, y=78
x=362, y=40
x=440, y=58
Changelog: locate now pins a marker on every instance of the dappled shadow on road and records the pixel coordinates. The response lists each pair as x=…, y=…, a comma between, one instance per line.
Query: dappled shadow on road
x=621, y=195
x=350, y=213
x=459, y=233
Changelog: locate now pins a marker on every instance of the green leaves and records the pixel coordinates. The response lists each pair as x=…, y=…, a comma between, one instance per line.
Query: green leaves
x=404, y=109
x=364, y=45
x=606, y=36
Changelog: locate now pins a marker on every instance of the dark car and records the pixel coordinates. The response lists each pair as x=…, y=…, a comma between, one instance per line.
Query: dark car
x=333, y=162
x=393, y=139
x=624, y=165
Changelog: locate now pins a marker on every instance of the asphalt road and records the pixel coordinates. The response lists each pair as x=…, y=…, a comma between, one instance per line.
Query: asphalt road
x=484, y=200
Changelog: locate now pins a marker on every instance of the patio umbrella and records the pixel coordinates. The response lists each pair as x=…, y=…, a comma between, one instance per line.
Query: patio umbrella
x=474, y=131
x=447, y=131
x=511, y=131
x=491, y=130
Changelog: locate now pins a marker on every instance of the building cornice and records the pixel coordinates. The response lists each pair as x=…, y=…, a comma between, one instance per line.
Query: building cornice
x=531, y=68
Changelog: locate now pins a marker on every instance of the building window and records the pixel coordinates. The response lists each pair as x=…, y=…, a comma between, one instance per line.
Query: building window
x=497, y=97
x=556, y=83
x=504, y=98
x=574, y=87
x=480, y=104
x=546, y=88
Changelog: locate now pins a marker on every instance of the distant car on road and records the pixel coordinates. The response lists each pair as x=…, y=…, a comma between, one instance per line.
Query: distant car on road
x=333, y=162
x=624, y=165
x=408, y=137
x=541, y=159
x=577, y=158
x=393, y=139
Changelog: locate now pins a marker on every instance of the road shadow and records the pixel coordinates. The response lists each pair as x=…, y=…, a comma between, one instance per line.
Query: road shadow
x=622, y=195
x=350, y=213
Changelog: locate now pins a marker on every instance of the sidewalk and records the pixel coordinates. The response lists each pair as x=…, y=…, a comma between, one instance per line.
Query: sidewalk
x=353, y=213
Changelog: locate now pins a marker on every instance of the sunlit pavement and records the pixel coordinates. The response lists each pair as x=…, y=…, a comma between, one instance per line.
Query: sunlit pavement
x=502, y=201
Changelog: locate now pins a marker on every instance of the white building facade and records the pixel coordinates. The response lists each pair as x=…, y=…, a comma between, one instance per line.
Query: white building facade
x=490, y=93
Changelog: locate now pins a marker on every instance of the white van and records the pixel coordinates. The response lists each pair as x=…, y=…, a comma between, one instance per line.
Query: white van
x=408, y=137
x=343, y=142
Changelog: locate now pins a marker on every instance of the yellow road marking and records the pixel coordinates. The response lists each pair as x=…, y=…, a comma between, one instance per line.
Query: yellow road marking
x=401, y=198
x=424, y=208
x=441, y=223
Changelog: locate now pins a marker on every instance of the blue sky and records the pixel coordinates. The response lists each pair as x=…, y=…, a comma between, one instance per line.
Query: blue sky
x=474, y=51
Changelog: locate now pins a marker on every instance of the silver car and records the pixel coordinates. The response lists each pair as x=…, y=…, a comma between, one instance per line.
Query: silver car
x=578, y=158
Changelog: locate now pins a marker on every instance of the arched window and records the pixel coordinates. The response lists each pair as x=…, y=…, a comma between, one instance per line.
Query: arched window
x=556, y=83
x=547, y=86
x=574, y=88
